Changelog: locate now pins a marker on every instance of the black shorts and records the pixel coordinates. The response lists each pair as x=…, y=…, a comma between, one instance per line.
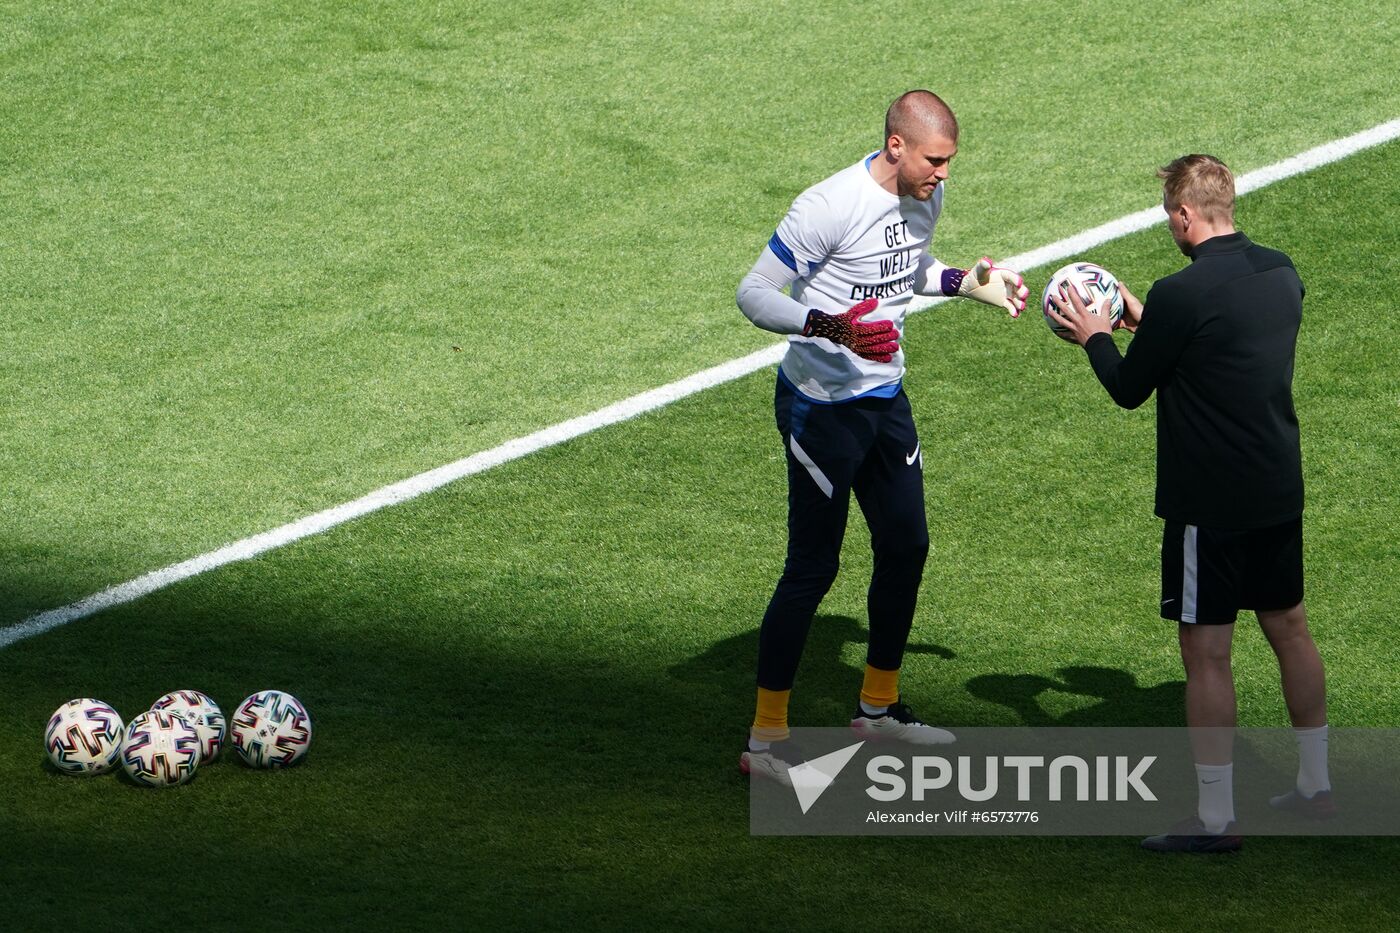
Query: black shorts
x=1209, y=575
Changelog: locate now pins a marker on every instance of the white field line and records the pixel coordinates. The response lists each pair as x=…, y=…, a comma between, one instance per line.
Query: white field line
x=624, y=410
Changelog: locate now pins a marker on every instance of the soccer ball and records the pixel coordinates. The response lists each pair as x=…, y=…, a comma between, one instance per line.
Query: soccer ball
x=1093, y=283
x=161, y=749
x=270, y=729
x=202, y=713
x=84, y=737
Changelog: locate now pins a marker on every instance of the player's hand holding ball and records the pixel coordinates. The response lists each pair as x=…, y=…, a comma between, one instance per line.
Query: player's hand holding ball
x=872, y=340
x=993, y=285
x=1066, y=310
x=1132, y=310
x=1072, y=305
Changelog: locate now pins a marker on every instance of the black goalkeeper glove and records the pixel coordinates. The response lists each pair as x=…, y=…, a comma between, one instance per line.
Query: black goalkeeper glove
x=874, y=340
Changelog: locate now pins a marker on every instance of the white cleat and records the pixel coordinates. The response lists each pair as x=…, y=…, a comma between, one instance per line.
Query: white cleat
x=899, y=724
x=773, y=763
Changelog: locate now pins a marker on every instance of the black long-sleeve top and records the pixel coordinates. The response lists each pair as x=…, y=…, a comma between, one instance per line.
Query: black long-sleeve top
x=1216, y=342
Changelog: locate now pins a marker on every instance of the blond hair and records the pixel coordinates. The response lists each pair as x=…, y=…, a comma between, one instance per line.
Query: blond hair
x=1202, y=181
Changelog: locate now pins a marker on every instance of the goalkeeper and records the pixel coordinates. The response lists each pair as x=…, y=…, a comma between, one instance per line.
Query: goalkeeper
x=853, y=250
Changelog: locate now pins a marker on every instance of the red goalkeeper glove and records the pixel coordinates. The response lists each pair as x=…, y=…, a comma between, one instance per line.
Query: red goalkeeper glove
x=874, y=340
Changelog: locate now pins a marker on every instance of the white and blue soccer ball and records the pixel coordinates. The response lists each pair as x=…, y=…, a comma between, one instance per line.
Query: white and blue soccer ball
x=1093, y=283
x=84, y=736
x=201, y=712
x=270, y=729
x=161, y=749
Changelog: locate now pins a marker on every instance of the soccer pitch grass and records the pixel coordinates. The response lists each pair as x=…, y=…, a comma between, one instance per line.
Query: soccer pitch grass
x=530, y=688
x=241, y=243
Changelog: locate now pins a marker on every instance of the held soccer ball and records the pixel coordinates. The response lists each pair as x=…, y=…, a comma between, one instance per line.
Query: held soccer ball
x=161, y=749
x=270, y=729
x=84, y=737
x=1093, y=283
x=202, y=713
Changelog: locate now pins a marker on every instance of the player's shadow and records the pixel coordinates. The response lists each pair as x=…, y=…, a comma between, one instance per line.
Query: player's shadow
x=1121, y=702
x=826, y=675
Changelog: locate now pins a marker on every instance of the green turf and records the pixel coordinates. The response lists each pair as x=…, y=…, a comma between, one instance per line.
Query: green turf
x=242, y=242
x=530, y=688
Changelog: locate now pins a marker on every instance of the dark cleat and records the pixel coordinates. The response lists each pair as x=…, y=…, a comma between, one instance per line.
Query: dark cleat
x=1191, y=836
x=1317, y=807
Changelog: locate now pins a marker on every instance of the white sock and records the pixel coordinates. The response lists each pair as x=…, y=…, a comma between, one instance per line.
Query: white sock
x=1312, y=760
x=756, y=746
x=1215, y=786
x=869, y=710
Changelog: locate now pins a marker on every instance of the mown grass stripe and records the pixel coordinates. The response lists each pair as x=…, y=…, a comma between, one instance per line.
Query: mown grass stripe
x=624, y=410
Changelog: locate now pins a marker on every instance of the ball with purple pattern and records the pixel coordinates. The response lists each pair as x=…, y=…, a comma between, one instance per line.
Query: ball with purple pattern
x=161, y=749
x=1093, y=284
x=270, y=729
x=84, y=736
x=201, y=712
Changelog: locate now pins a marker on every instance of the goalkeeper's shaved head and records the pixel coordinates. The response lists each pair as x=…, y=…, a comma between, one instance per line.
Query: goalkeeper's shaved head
x=918, y=115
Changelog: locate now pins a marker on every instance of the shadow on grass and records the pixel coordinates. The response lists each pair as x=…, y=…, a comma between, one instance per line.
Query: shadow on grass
x=827, y=678
x=493, y=769
x=1121, y=701
x=824, y=678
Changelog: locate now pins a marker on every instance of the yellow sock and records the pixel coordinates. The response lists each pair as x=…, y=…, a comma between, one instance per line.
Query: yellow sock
x=770, y=721
x=881, y=688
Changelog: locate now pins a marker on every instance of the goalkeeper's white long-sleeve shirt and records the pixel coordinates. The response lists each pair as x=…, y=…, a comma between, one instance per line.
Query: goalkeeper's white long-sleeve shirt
x=843, y=240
